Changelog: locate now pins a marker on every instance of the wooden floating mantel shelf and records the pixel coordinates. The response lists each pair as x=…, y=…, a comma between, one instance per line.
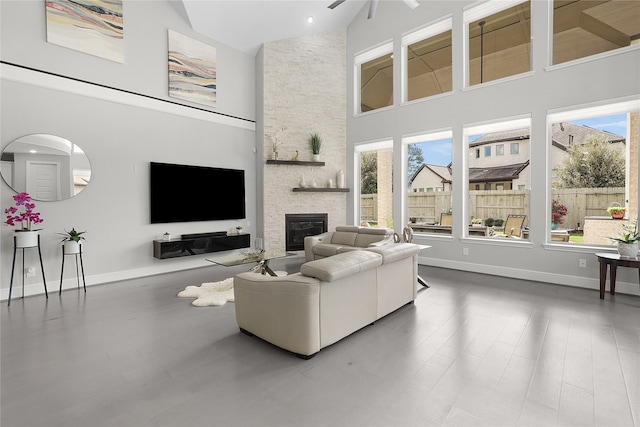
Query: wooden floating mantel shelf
x=321, y=190
x=294, y=162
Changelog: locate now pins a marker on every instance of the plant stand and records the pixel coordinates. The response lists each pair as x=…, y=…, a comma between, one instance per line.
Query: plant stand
x=79, y=253
x=13, y=267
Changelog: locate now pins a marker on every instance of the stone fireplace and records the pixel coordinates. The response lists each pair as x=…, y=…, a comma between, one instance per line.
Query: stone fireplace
x=298, y=226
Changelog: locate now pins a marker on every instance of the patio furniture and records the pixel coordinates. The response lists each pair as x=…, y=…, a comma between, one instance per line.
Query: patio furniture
x=513, y=226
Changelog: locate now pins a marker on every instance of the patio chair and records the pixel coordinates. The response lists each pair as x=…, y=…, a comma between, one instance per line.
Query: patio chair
x=445, y=219
x=513, y=226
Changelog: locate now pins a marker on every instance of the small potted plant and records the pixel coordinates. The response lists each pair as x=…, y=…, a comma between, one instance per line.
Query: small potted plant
x=558, y=211
x=616, y=211
x=26, y=237
x=71, y=240
x=628, y=240
x=476, y=222
x=316, y=143
x=239, y=229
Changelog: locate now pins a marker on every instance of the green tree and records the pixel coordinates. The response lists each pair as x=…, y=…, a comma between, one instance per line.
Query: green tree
x=415, y=159
x=368, y=172
x=595, y=164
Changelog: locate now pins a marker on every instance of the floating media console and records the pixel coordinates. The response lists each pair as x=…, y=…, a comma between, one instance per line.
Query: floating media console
x=201, y=243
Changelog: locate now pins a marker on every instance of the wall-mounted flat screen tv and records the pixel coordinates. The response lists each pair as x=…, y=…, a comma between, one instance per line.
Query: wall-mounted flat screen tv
x=183, y=193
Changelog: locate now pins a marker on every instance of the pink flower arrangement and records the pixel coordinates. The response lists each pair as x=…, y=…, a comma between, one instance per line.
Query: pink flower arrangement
x=557, y=211
x=25, y=218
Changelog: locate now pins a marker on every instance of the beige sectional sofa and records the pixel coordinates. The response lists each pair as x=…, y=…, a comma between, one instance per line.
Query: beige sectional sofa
x=344, y=239
x=329, y=299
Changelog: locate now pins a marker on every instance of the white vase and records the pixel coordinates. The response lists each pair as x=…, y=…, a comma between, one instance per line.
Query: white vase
x=71, y=247
x=316, y=157
x=628, y=250
x=340, y=181
x=26, y=239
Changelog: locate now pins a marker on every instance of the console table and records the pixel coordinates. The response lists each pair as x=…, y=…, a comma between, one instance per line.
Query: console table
x=199, y=244
x=614, y=260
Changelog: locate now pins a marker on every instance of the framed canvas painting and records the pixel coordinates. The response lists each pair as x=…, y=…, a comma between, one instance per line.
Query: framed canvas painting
x=192, y=70
x=90, y=26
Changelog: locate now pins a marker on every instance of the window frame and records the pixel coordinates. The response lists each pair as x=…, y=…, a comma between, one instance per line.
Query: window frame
x=430, y=29
x=384, y=48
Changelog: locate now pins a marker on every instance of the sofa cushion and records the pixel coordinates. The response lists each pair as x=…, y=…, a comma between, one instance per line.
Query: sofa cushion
x=391, y=253
x=344, y=238
x=341, y=265
x=326, y=249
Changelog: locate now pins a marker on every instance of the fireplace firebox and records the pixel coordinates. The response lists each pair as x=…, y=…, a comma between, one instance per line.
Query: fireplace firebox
x=298, y=226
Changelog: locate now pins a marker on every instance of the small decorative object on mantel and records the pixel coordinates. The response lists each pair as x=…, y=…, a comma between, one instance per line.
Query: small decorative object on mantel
x=340, y=181
x=275, y=142
x=295, y=157
x=239, y=229
x=166, y=236
x=25, y=236
x=71, y=240
x=628, y=240
x=329, y=183
x=616, y=211
x=316, y=143
x=303, y=183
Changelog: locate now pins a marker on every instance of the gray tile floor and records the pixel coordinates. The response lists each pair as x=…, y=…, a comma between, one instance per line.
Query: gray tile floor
x=472, y=350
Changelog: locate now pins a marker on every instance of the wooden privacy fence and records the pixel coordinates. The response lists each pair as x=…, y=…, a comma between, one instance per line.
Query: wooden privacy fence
x=580, y=202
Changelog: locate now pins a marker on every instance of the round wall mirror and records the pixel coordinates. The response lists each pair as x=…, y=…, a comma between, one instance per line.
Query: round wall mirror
x=47, y=167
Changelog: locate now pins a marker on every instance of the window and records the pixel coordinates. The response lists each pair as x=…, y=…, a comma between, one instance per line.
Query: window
x=499, y=40
x=500, y=150
x=375, y=71
x=487, y=151
x=495, y=179
x=582, y=28
x=429, y=165
x=428, y=59
x=598, y=169
x=375, y=163
x=515, y=148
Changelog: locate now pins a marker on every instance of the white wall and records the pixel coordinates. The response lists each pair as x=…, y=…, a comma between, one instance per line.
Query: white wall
x=611, y=77
x=120, y=133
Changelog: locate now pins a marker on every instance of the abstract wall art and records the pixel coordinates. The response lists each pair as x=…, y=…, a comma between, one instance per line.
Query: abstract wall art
x=90, y=26
x=192, y=70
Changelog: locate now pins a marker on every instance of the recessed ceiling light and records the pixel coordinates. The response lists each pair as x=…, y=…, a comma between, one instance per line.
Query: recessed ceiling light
x=310, y=20
x=33, y=151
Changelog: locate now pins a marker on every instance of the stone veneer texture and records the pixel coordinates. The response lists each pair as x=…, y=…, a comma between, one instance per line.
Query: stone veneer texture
x=305, y=81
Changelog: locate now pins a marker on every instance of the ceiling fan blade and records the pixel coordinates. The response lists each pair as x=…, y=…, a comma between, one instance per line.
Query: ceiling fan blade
x=336, y=4
x=372, y=9
x=412, y=3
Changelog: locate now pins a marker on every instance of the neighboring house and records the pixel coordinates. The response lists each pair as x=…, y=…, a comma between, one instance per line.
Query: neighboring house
x=431, y=178
x=500, y=160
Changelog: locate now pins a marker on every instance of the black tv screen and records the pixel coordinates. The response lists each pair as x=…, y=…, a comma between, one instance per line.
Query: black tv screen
x=183, y=193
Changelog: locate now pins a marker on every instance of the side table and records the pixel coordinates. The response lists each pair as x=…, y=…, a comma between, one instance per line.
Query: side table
x=614, y=260
x=13, y=267
x=79, y=253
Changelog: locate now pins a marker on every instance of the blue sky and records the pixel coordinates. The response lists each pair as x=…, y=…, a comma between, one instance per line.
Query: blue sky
x=439, y=152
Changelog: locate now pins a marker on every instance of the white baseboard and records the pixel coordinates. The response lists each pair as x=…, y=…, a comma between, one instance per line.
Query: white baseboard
x=537, y=276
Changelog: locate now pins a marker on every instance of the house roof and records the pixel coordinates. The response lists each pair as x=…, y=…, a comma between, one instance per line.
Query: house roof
x=497, y=173
x=562, y=135
x=443, y=172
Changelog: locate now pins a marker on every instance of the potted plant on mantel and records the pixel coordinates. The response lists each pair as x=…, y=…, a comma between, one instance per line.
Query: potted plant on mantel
x=25, y=236
x=316, y=143
x=616, y=211
x=71, y=240
x=628, y=240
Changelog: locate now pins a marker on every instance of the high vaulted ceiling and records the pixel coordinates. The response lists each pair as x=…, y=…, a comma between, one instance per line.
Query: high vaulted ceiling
x=247, y=24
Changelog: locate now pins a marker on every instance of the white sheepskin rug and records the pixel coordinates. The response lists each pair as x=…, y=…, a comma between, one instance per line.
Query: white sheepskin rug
x=212, y=293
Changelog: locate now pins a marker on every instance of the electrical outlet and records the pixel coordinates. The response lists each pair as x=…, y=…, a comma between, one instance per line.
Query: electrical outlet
x=465, y=251
x=582, y=263
x=30, y=272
